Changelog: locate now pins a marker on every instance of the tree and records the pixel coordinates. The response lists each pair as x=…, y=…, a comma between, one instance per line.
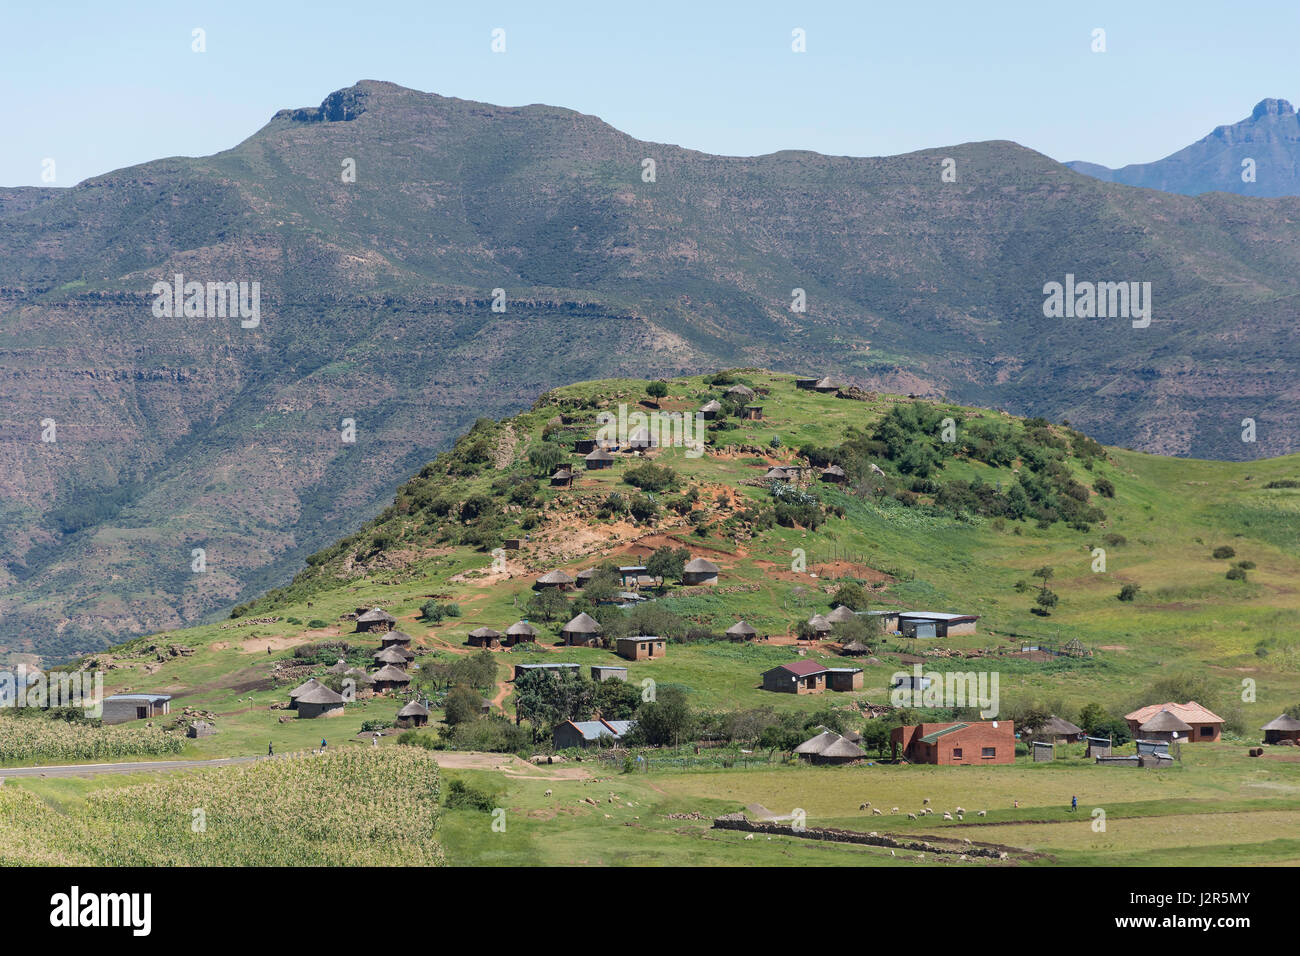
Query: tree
x=478, y=671
x=665, y=721
x=617, y=699
x=1045, y=574
x=603, y=585
x=657, y=390
x=546, y=699
x=546, y=457
x=462, y=704
x=1046, y=600
x=852, y=595
x=547, y=605
x=667, y=563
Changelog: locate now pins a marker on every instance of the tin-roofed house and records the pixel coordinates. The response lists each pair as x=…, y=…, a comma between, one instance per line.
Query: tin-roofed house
x=796, y=677
x=375, y=619
x=1281, y=730
x=844, y=679
x=582, y=631
x=590, y=733
x=521, y=669
x=601, y=672
x=700, y=571
x=122, y=708
x=935, y=624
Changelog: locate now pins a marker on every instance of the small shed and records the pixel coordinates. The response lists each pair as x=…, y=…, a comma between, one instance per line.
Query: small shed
x=563, y=478
x=122, y=708
x=583, y=446
x=1044, y=751
x=600, y=672
x=583, y=631
x=375, y=619
x=700, y=571
x=835, y=475
x=855, y=649
x=753, y=413
x=641, y=647
x=711, y=409
x=588, y=733
x=1099, y=746
x=200, y=728
x=844, y=678
x=805, y=383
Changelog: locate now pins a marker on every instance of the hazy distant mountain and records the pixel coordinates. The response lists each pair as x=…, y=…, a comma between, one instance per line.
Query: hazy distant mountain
x=376, y=297
x=1266, y=145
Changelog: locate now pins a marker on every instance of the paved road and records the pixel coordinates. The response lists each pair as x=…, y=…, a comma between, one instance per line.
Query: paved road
x=90, y=769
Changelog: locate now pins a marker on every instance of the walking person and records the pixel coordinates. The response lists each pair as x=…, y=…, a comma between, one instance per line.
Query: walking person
x=1074, y=804
x=322, y=745
x=270, y=750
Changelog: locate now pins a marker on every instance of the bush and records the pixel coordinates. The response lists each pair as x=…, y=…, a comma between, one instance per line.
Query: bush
x=1236, y=574
x=1104, y=487
x=316, y=624
x=1128, y=592
x=1224, y=552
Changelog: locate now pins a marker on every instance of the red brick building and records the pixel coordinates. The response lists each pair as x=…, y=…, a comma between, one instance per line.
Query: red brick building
x=952, y=744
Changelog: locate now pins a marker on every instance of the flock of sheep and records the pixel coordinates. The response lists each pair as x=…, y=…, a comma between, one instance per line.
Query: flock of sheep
x=959, y=812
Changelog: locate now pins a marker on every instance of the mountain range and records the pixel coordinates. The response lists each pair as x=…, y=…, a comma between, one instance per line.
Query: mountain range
x=1259, y=156
x=425, y=261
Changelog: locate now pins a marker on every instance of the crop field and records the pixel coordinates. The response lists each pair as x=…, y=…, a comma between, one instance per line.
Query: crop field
x=354, y=808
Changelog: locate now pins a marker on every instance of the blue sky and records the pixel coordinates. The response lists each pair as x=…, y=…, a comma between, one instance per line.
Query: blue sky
x=96, y=89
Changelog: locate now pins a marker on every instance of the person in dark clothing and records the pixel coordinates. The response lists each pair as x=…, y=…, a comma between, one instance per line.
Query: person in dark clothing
x=270, y=750
x=1074, y=804
x=322, y=745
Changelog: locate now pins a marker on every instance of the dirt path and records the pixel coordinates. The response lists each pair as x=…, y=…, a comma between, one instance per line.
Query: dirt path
x=508, y=764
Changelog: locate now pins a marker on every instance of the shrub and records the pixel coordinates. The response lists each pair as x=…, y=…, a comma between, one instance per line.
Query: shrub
x=1128, y=592
x=1224, y=552
x=1236, y=574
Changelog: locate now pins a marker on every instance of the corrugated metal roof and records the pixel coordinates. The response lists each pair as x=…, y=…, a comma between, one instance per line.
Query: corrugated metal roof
x=935, y=735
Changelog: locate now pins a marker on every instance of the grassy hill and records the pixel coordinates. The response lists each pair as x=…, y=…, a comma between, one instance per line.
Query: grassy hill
x=941, y=541
x=377, y=296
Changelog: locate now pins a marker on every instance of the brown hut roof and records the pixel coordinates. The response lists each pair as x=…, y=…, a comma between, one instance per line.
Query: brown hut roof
x=376, y=614
x=360, y=676
x=711, y=406
x=340, y=668
x=521, y=628
x=843, y=749
x=390, y=673
x=485, y=632
x=396, y=637
x=1282, y=722
x=598, y=455
x=1059, y=727
x=701, y=566
x=815, y=745
x=555, y=577
x=741, y=629
x=320, y=694
x=303, y=688
x=841, y=613
x=818, y=622
x=743, y=390
x=855, y=648
x=584, y=623
x=1164, y=722
x=835, y=471
x=414, y=709
x=390, y=655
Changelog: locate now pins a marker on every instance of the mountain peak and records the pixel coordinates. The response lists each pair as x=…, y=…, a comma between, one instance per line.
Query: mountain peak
x=339, y=107
x=1272, y=107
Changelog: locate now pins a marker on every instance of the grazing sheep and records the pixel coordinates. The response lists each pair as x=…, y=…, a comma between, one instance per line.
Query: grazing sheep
x=911, y=816
x=877, y=812
x=749, y=836
x=947, y=815
x=983, y=813
x=960, y=817
x=926, y=800
x=895, y=810
x=865, y=806
x=548, y=793
x=961, y=810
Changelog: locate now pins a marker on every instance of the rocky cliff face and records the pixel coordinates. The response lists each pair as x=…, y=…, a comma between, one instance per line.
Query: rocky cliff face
x=377, y=294
x=1259, y=156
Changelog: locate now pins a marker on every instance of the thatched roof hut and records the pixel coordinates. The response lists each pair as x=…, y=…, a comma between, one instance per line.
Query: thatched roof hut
x=743, y=392
x=1059, y=729
x=1281, y=728
x=563, y=477
x=710, y=409
x=484, y=637
x=834, y=474
x=582, y=630
x=414, y=713
x=307, y=685
x=376, y=619
x=1165, y=726
x=741, y=631
x=319, y=701
x=389, y=677
x=855, y=649
x=390, y=655
x=700, y=571
x=393, y=638
x=821, y=627
x=841, y=614
x=598, y=459
x=815, y=745
x=554, y=579
x=520, y=631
